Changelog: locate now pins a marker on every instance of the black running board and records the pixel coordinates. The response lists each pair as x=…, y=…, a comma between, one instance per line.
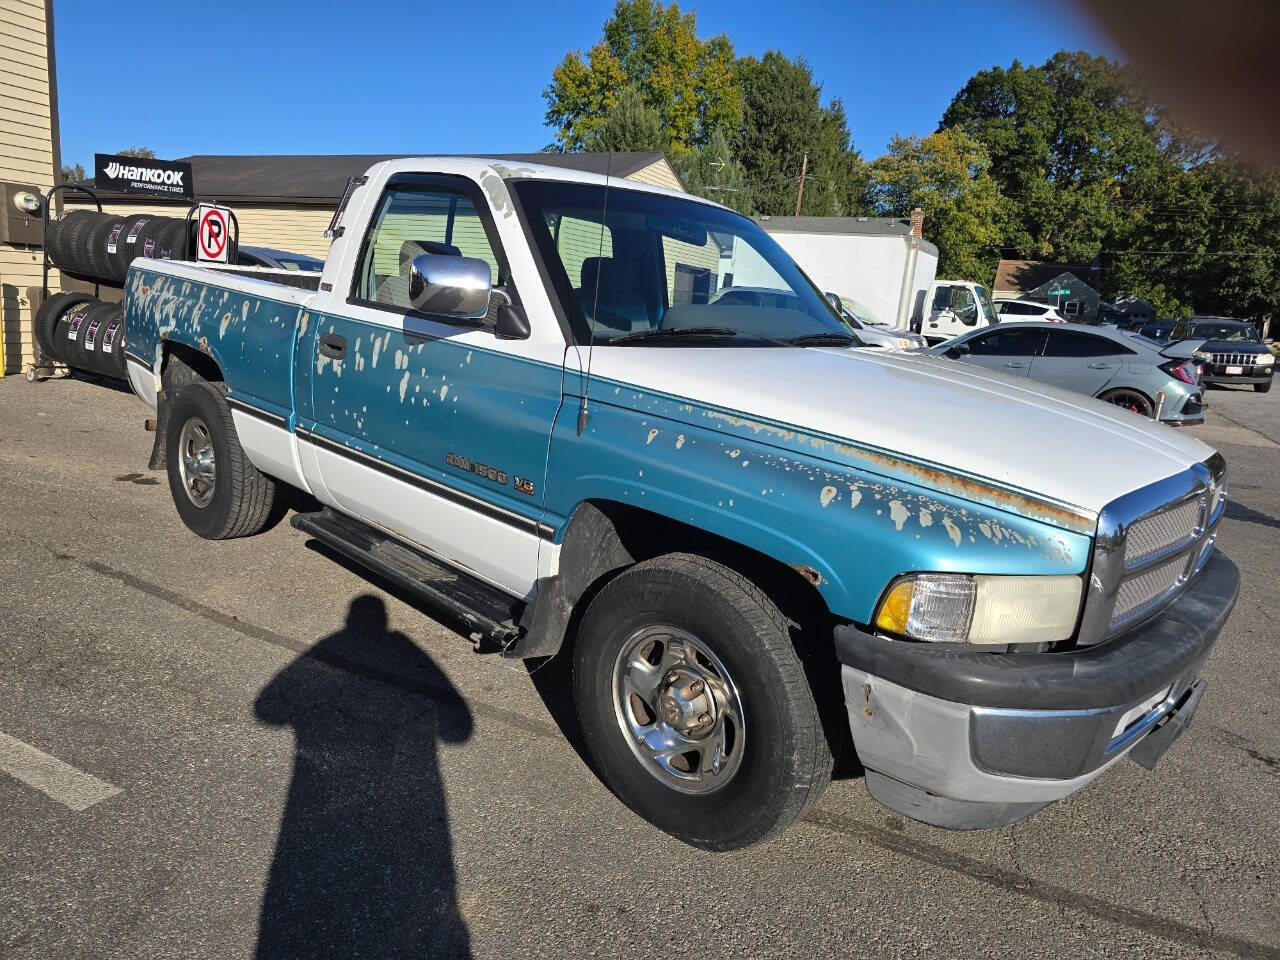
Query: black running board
x=485, y=610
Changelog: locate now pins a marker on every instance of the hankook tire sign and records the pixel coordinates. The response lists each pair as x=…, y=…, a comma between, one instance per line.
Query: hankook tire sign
x=169, y=178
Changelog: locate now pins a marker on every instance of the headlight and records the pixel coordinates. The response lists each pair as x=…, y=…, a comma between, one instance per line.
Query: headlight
x=1202, y=356
x=1265, y=359
x=959, y=608
x=904, y=344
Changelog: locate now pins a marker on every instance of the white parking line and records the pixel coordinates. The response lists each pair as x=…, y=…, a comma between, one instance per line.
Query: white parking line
x=61, y=781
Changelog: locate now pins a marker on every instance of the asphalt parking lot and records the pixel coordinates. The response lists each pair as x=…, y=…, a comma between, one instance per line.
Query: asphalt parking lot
x=247, y=749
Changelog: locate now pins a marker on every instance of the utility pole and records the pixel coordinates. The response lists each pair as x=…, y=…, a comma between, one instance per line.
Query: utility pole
x=804, y=168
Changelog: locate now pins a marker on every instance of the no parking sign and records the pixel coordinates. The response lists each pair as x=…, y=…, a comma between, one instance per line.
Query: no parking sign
x=212, y=234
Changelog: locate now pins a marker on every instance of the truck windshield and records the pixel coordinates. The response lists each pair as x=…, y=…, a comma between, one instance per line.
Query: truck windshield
x=1230, y=332
x=642, y=268
x=987, y=307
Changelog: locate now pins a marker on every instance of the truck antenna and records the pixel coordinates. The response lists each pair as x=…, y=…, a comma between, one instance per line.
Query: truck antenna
x=595, y=299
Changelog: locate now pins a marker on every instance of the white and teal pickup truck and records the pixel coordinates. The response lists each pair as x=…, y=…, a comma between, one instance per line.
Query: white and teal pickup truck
x=515, y=392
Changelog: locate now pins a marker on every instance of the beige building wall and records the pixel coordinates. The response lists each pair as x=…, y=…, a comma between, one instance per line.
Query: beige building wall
x=28, y=155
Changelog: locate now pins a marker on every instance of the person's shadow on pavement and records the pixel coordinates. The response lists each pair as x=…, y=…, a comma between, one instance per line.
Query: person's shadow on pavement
x=364, y=862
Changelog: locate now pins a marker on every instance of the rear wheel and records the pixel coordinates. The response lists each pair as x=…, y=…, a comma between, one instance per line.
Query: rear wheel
x=694, y=704
x=1130, y=400
x=218, y=493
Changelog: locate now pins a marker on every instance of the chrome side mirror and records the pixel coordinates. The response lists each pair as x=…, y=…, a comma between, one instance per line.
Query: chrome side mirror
x=450, y=286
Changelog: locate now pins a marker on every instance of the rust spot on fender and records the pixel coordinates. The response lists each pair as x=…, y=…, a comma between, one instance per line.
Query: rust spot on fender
x=980, y=491
x=933, y=478
x=809, y=573
x=204, y=344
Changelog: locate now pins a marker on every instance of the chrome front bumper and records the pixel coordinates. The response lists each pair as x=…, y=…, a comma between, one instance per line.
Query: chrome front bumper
x=969, y=739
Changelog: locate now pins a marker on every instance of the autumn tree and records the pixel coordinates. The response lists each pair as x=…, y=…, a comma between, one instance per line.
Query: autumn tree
x=654, y=50
x=948, y=176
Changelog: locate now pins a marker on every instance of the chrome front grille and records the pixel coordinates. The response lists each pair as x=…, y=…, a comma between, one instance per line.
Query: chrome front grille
x=1150, y=543
x=1163, y=531
x=1146, y=589
x=1234, y=359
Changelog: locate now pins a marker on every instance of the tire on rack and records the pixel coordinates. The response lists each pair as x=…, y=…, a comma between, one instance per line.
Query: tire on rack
x=97, y=258
x=65, y=342
x=168, y=240
x=57, y=239
x=681, y=651
x=75, y=244
x=150, y=233
x=219, y=494
x=47, y=318
x=91, y=343
x=123, y=255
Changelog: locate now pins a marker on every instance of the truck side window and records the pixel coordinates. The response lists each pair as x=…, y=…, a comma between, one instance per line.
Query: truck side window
x=411, y=222
x=942, y=298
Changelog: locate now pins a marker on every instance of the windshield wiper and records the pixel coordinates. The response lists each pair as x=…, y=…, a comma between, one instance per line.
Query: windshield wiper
x=664, y=333
x=823, y=340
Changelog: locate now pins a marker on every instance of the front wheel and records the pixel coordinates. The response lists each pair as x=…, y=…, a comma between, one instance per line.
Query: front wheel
x=1261, y=387
x=694, y=705
x=218, y=492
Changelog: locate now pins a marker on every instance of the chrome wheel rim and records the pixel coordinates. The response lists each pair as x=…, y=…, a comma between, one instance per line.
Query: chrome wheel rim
x=1131, y=401
x=679, y=709
x=195, y=462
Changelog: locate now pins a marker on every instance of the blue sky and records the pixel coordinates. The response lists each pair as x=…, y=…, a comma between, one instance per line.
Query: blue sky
x=385, y=76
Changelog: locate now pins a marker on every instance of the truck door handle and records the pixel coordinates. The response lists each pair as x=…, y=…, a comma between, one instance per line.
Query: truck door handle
x=1101, y=366
x=1016, y=366
x=332, y=345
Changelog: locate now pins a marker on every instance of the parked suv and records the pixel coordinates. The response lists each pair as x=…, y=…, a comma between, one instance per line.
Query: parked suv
x=1232, y=351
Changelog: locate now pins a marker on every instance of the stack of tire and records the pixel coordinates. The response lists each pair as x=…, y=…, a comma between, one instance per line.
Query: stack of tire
x=100, y=246
x=82, y=332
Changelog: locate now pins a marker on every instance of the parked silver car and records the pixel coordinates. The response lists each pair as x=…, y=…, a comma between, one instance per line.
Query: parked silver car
x=1121, y=368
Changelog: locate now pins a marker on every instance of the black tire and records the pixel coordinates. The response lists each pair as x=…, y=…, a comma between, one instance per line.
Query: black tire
x=783, y=762
x=75, y=244
x=1129, y=399
x=46, y=321
x=99, y=260
x=58, y=238
x=170, y=240
x=95, y=360
x=150, y=233
x=65, y=343
x=123, y=254
x=1261, y=387
x=241, y=498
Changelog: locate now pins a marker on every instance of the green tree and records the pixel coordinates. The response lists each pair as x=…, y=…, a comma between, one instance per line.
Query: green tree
x=73, y=174
x=712, y=172
x=142, y=153
x=948, y=176
x=630, y=125
x=1073, y=144
x=783, y=122
x=688, y=82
